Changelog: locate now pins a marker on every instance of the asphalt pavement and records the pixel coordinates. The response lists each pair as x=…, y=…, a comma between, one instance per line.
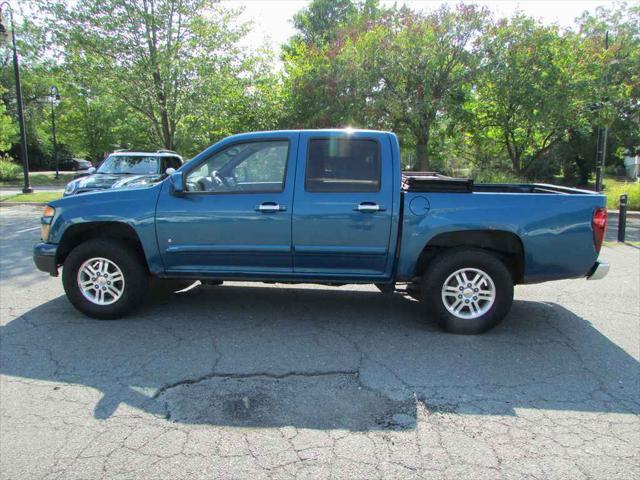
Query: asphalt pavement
x=277, y=381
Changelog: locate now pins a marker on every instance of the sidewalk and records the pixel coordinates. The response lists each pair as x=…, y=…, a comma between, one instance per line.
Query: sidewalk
x=632, y=230
x=39, y=188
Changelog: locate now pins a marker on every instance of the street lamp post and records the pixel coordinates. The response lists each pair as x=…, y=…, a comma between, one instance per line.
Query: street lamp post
x=55, y=96
x=16, y=71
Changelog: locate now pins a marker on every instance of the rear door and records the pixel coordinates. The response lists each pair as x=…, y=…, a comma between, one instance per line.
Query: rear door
x=342, y=212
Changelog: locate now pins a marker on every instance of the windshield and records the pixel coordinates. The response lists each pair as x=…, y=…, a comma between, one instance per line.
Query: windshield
x=130, y=164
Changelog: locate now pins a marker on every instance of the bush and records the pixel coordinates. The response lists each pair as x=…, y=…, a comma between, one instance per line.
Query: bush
x=614, y=189
x=9, y=170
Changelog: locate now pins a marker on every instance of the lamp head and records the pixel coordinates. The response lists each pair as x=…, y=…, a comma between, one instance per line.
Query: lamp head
x=54, y=92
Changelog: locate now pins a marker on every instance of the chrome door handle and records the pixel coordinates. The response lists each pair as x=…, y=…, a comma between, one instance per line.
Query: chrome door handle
x=269, y=207
x=369, y=207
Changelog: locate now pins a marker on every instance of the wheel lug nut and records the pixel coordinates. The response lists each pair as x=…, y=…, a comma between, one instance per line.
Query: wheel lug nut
x=459, y=296
x=468, y=284
x=108, y=283
x=475, y=289
x=461, y=288
x=475, y=298
x=466, y=301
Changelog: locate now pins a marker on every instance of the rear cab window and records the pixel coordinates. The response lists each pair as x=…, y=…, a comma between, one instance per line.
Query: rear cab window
x=342, y=165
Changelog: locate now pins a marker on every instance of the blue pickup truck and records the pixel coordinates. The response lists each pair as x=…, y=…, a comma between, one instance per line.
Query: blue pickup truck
x=322, y=206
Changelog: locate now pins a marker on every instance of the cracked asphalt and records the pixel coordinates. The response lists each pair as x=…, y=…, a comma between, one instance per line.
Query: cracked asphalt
x=274, y=381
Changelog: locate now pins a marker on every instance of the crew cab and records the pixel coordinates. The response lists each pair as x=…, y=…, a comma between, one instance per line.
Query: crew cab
x=329, y=207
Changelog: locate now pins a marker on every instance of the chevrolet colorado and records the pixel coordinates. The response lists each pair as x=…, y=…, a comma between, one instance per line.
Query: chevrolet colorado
x=322, y=206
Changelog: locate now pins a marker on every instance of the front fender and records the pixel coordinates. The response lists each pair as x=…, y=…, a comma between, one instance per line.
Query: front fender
x=135, y=207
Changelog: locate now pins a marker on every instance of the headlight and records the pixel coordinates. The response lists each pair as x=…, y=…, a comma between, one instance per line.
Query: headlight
x=70, y=188
x=45, y=222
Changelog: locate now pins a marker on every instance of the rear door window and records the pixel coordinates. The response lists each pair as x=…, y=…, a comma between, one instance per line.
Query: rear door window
x=342, y=165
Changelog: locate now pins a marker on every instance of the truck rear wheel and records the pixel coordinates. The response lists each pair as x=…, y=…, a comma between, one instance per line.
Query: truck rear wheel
x=104, y=279
x=468, y=290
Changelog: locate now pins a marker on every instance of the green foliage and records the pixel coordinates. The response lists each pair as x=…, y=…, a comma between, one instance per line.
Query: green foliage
x=46, y=179
x=614, y=189
x=528, y=93
x=386, y=68
x=155, y=56
x=8, y=170
x=498, y=99
x=8, y=128
x=320, y=22
x=495, y=176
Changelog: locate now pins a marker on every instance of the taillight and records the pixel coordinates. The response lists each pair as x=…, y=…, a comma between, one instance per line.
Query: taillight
x=599, y=223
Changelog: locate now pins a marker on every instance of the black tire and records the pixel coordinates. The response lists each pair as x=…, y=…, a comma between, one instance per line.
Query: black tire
x=136, y=277
x=443, y=266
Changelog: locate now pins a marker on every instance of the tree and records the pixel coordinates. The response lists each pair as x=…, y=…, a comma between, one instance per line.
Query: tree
x=319, y=23
x=157, y=56
x=614, y=72
x=529, y=91
x=391, y=68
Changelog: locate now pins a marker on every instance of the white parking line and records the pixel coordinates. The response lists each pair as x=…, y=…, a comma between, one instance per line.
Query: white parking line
x=28, y=230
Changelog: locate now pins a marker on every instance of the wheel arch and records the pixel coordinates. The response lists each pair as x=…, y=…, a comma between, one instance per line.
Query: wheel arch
x=82, y=232
x=506, y=245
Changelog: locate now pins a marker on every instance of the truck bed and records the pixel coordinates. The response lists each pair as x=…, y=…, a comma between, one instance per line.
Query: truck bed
x=436, y=183
x=552, y=224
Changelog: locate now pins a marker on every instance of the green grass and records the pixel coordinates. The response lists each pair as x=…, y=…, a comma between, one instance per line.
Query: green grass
x=39, y=178
x=617, y=244
x=613, y=190
x=35, y=197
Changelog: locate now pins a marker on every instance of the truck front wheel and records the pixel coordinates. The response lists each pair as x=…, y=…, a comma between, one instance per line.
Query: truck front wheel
x=469, y=291
x=104, y=279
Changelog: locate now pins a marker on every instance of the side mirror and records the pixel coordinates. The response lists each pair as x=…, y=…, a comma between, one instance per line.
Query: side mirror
x=177, y=182
x=170, y=171
x=91, y=170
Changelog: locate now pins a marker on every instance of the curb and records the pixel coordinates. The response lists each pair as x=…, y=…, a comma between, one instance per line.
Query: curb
x=16, y=204
x=632, y=213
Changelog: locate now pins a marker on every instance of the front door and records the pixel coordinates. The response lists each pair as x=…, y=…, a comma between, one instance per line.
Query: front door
x=235, y=215
x=343, y=204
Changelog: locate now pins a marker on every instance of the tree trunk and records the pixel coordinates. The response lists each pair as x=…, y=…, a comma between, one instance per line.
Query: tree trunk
x=422, y=155
x=515, y=162
x=514, y=155
x=167, y=134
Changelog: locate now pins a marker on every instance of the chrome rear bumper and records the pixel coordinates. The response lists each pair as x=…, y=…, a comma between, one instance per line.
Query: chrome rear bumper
x=598, y=271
